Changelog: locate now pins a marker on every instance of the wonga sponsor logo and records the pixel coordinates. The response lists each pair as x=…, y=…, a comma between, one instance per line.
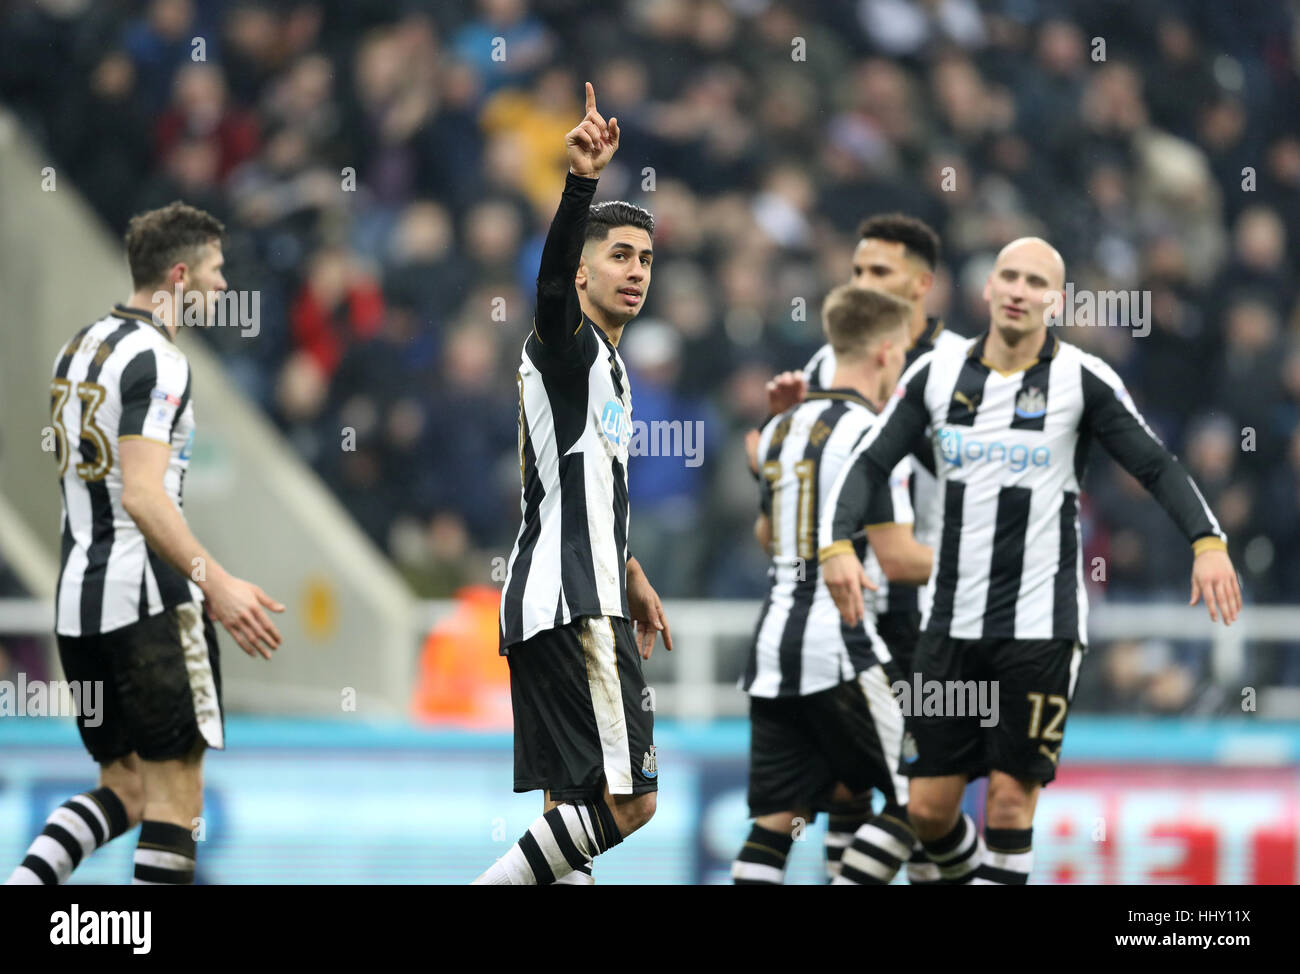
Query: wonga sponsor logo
x=959, y=451
x=613, y=420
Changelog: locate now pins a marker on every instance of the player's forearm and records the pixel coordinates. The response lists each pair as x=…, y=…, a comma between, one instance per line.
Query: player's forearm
x=907, y=564
x=166, y=532
x=556, y=295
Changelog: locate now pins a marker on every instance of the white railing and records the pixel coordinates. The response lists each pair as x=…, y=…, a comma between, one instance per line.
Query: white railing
x=689, y=686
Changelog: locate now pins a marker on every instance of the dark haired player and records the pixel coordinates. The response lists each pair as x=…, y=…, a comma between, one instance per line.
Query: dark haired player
x=1010, y=416
x=571, y=591
x=129, y=608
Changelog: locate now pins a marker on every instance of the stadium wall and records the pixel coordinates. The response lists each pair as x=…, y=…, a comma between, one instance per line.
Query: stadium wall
x=1158, y=801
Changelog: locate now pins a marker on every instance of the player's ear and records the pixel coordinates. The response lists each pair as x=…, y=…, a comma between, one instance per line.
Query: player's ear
x=580, y=278
x=924, y=282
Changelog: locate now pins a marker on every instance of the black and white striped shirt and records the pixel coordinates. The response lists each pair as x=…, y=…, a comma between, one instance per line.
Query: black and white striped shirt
x=1010, y=452
x=800, y=646
x=913, y=490
x=575, y=426
x=119, y=378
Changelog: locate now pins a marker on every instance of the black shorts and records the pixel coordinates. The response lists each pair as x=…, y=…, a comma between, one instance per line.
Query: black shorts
x=161, y=686
x=900, y=631
x=1025, y=716
x=582, y=716
x=801, y=747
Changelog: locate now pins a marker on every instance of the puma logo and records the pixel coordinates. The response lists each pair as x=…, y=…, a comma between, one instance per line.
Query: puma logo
x=1053, y=757
x=967, y=401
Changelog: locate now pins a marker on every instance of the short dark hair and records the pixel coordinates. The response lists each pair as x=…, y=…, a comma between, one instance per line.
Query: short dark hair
x=604, y=217
x=916, y=236
x=854, y=317
x=160, y=238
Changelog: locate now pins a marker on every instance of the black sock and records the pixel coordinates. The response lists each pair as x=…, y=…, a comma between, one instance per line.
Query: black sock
x=958, y=853
x=762, y=858
x=1008, y=857
x=72, y=832
x=165, y=855
x=879, y=849
x=839, y=836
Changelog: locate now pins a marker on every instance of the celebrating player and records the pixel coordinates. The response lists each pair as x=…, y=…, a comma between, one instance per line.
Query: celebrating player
x=896, y=254
x=133, y=577
x=822, y=711
x=571, y=591
x=1011, y=414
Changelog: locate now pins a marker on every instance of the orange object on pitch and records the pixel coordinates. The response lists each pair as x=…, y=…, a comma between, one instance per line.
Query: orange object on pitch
x=462, y=678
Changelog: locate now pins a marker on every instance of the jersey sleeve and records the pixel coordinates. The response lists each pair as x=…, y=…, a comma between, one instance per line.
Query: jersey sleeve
x=155, y=387
x=1110, y=416
x=861, y=493
x=557, y=339
x=764, y=484
x=897, y=501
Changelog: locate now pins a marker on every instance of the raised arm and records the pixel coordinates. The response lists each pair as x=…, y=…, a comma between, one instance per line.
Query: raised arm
x=590, y=144
x=1110, y=416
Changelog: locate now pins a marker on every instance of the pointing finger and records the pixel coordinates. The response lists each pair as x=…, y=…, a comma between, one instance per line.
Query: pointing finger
x=591, y=98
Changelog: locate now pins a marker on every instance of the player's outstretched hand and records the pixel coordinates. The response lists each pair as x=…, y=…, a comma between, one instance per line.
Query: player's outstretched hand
x=238, y=605
x=846, y=578
x=1214, y=577
x=593, y=142
x=786, y=390
x=647, y=611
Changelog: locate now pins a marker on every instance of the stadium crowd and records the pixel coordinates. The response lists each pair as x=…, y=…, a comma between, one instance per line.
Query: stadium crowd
x=387, y=170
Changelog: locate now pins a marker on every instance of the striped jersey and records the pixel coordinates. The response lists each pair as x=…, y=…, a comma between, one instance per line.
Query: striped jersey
x=575, y=425
x=120, y=378
x=1010, y=452
x=800, y=646
x=913, y=490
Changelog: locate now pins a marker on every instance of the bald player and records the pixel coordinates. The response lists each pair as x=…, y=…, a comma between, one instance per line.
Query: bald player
x=1010, y=416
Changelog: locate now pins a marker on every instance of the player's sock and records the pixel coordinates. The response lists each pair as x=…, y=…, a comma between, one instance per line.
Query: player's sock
x=165, y=855
x=920, y=870
x=72, y=832
x=762, y=858
x=957, y=854
x=1008, y=857
x=579, y=877
x=839, y=836
x=880, y=846
x=568, y=836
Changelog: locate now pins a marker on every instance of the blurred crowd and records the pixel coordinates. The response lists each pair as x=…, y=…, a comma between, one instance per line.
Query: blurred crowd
x=387, y=171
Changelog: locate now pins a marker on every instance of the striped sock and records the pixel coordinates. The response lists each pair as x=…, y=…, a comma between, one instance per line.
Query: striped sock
x=762, y=858
x=920, y=870
x=1008, y=857
x=565, y=838
x=579, y=877
x=958, y=854
x=72, y=832
x=839, y=836
x=165, y=855
x=878, y=851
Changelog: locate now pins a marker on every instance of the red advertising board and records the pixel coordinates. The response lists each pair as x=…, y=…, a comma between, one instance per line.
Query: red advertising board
x=1167, y=824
